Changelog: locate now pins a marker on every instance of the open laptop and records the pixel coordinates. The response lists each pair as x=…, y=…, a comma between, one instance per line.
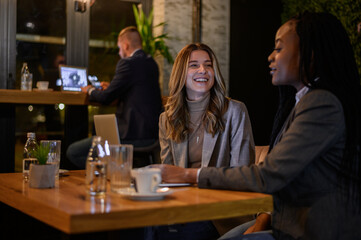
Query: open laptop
x=106, y=126
x=73, y=78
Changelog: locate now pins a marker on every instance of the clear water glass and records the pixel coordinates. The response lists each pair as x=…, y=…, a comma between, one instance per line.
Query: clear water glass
x=54, y=153
x=120, y=164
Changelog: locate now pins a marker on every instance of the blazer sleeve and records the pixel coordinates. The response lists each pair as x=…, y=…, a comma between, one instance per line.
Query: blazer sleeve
x=317, y=126
x=120, y=84
x=165, y=144
x=242, y=143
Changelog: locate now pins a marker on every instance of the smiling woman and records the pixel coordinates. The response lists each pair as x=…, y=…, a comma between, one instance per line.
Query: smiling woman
x=200, y=126
x=200, y=75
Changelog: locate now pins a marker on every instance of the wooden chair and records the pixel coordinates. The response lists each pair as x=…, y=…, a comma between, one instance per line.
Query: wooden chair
x=261, y=153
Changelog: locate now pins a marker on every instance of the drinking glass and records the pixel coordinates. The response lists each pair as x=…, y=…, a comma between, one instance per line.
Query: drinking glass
x=120, y=164
x=54, y=153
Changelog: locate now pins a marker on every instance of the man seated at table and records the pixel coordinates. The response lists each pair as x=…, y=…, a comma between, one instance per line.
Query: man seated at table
x=135, y=87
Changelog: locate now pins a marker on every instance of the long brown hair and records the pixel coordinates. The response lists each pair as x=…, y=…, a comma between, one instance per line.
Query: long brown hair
x=176, y=109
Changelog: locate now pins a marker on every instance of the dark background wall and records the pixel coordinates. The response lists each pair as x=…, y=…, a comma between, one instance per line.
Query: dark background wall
x=253, y=27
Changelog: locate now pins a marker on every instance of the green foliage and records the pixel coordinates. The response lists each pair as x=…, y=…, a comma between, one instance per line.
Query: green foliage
x=151, y=45
x=41, y=153
x=347, y=11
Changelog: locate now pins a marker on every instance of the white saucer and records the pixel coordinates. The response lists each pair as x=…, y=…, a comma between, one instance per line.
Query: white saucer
x=174, y=184
x=63, y=171
x=132, y=194
x=42, y=90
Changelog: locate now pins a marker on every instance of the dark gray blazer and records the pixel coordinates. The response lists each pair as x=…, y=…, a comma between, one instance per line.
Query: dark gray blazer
x=233, y=147
x=136, y=87
x=301, y=172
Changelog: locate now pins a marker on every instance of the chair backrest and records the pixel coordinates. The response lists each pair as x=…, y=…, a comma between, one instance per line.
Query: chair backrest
x=152, y=151
x=261, y=153
x=106, y=126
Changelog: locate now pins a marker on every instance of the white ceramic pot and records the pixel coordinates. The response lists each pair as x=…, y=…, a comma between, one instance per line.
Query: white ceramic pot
x=42, y=176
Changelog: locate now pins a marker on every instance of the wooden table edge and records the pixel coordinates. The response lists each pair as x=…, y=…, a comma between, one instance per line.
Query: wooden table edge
x=88, y=222
x=80, y=223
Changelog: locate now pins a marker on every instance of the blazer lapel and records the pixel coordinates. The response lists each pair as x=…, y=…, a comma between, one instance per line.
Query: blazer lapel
x=285, y=126
x=208, y=146
x=180, y=153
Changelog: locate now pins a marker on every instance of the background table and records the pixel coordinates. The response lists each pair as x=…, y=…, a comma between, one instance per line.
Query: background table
x=75, y=124
x=70, y=210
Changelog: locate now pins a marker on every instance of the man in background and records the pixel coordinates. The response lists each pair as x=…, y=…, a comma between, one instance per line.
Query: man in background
x=135, y=88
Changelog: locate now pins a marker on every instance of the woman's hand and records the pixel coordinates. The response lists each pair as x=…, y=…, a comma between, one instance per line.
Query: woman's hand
x=174, y=174
x=263, y=222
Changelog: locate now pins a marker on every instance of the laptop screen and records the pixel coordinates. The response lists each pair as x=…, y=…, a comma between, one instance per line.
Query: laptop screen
x=73, y=77
x=106, y=126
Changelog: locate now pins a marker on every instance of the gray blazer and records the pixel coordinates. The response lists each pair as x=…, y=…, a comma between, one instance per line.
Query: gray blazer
x=301, y=172
x=233, y=147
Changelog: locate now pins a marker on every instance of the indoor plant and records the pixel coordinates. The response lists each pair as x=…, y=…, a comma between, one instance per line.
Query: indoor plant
x=42, y=174
x=151, y=45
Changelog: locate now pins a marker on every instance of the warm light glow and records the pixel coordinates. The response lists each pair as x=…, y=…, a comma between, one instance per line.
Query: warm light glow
x=61, y=106
x=30, y=108
x=30, y=25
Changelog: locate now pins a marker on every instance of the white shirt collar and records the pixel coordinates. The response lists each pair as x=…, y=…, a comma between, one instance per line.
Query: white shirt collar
x=134, y=52
x=301, y=93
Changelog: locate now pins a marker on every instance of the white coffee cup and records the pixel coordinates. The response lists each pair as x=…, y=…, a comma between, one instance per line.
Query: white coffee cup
x=146, y=180
x=42, y=85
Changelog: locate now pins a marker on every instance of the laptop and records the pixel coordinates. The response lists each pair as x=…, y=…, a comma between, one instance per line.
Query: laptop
x=106, y=126
x=73, y=78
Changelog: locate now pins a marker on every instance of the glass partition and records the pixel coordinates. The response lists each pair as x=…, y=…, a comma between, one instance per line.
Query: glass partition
x=40, y=38
x=107, y=18
x=40, y=41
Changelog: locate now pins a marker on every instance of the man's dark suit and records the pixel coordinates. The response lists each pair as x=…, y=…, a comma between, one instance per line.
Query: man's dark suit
x=136, y=87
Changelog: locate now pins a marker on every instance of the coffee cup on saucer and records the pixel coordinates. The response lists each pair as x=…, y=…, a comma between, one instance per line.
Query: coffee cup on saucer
x=42, y=85
x=146, y=180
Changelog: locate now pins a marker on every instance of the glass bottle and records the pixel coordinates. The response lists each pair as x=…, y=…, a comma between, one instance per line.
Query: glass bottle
x=28, y=157
x=26, y=81
x=96, y=169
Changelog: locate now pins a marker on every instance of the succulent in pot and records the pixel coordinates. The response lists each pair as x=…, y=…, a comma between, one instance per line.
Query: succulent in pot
x=42, y=175
x=41, y=153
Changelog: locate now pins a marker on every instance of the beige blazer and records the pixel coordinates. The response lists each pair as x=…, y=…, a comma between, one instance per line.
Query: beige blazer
x=232, y=147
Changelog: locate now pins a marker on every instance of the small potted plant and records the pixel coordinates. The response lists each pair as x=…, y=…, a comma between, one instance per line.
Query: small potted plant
x=42, y=174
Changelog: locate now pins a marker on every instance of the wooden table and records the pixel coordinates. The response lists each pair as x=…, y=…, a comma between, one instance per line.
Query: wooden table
x=76, y=118
x=67, y=208
x=42, y=97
